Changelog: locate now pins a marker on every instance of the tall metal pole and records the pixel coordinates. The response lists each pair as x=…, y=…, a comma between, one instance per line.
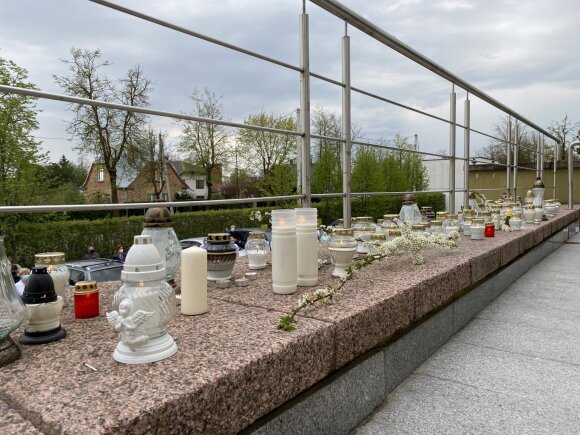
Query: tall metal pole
x=298, y=154
x=452, y=134
x=516, y=159
x=305, y=107
x=538, y=156
x=571, y=173
x=346, y=130
x=542, y=143
x=508, y=180
x=466, y=139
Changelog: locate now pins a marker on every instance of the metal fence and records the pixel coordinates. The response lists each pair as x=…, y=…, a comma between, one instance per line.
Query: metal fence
x=350, y=19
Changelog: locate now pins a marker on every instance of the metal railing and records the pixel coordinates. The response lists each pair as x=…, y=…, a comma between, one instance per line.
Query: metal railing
x=304, y=134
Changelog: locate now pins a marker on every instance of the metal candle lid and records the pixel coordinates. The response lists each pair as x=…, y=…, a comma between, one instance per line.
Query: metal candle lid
x=143, y=262
x=257, y=235
x=436, y=223
x=157, y=217
x=343, y=232
x=391, y=216
x=418, y=227
x=409, y=199
x=218, y=237
x=539, y=183
x=40, y=287
x=85, y=287
x=49, y=258
x=379, y=237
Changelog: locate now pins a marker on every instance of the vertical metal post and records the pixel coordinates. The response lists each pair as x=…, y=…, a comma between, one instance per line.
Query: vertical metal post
x=298, y=154
x=346, y=131
x=466, y=139
x=542, y=143
x=516, y=159
x=452, y=134
x=571, y=173
x=508, y=181
x=305, y=108
x=555, y=168
x=538, y=156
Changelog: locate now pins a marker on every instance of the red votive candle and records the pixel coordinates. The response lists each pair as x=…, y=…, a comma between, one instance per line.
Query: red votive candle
x=86, y=299
x=489, y=229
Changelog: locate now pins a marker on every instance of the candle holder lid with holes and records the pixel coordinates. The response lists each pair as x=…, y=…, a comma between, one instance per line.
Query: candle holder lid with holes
x=342, y=247
x=221, y=256
x=43, y=307
x=159, y=225
x=257, y=250
x=143, y=306
x=56, y=267
x=12, y=309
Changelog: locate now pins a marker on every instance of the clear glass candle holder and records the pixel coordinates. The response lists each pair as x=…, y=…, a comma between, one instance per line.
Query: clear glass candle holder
x=342, y=247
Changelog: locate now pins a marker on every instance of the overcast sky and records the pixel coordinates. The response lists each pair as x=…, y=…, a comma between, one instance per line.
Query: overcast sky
x=524, y=54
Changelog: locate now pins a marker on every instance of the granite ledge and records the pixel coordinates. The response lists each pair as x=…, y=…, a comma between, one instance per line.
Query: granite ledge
x=233, y=366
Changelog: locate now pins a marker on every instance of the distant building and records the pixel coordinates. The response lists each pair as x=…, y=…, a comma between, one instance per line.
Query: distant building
x=133, y=186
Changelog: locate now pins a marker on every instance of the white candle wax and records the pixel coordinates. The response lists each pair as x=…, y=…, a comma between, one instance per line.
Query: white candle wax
x=256, y=259
x=284, y=252
x=307, y=252
x=193, y=281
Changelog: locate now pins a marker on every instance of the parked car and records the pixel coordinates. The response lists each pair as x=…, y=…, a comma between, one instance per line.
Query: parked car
x=193, y=241
x=241, y=234
x=96, y=269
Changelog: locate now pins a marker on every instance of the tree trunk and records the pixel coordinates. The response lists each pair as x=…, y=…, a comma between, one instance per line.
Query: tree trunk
x=114, y=193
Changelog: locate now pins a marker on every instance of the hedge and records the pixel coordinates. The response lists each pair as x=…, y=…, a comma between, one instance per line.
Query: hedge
x=24, y=239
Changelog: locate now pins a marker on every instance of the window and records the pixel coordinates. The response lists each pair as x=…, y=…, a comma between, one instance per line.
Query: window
x=200, y=197
x=164, y=197
x=152, y=197
x=200, y=184
x=100, y=175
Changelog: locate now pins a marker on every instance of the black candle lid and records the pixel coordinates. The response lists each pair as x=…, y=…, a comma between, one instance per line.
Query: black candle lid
x=40, y=287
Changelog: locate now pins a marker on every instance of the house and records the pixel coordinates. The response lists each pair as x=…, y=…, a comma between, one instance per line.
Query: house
x=132, y=186
x=194, y=177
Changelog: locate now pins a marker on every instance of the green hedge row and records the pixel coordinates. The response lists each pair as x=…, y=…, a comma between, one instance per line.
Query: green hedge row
x=24, y=239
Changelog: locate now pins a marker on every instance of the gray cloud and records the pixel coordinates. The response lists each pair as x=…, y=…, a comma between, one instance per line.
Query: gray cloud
x=521, y=55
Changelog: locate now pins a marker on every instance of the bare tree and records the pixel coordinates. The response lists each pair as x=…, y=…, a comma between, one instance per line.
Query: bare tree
x=106, y=133
x=497, y=148
x=151, y=160
x=565, y=130
x=203, y=143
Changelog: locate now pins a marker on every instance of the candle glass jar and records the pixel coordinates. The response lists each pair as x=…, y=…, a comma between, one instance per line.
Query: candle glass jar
x=54, y=263
x=221, y=256
x=529, y=214
x=257, y=250
x=12, y=309
x=418, y=228
x=477, y=229
x=467, y=226
x=489, y=229
x=538, y=191
x=377, y=239
x=452, y=224
x=159, y=225
x=410, y=213
x=86, y=297
x=363, y=228
x=342, y=247
x=436, y=227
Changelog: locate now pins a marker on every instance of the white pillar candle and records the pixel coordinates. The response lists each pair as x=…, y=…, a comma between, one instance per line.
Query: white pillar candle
x=193, y=281
x=284, y=252
x=307, y=247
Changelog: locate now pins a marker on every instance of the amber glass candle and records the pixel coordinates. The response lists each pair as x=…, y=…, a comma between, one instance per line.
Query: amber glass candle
x=86, y=298
x=489, y=229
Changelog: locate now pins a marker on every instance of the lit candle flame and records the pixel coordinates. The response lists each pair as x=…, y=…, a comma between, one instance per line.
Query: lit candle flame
x=301, y=219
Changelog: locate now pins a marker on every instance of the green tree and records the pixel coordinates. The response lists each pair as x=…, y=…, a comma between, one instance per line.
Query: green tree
x=205, y=144
x=269, y=149
x=281, y=180
x=106, y=133
x=20, y=155
x=327, y=165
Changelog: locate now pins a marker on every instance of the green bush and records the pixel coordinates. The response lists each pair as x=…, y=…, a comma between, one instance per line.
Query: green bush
x=24, y=239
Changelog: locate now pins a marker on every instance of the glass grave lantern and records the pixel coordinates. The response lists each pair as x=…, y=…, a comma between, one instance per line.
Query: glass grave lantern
x=143, y=306
x=43, y=308
x=410, y=213
x=342, y=247
x=159, y=225
x=12, y=309
x=257, y=250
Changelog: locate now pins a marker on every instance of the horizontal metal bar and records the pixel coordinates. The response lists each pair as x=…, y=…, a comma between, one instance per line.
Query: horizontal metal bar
x=386, y=100
x=329, y=138
x=135, y=205
x=98, y=103
x=380, y=35
x=328, y=195
x=488, y=190
x=397, y=193
x=194, y=34
x=327, y=79
x=374, y=145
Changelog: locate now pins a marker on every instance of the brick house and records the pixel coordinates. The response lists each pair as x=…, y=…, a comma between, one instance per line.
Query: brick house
x=131, y=187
